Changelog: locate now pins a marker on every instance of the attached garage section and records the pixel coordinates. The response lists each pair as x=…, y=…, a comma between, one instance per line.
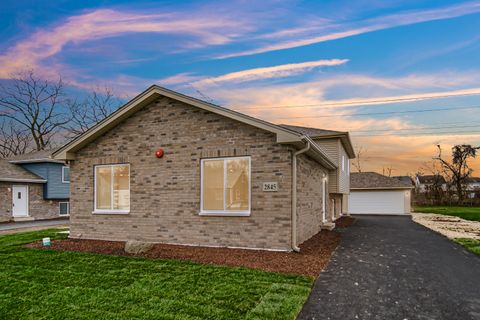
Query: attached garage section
x=373, y=193
x=379, y=202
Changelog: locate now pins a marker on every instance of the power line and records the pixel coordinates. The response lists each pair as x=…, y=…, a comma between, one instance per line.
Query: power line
x=419, y=134
x=379, y=113
x=415, y=129
x=361, y=103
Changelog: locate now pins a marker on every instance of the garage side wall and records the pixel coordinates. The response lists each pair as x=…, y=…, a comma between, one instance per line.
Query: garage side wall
x=309, y=197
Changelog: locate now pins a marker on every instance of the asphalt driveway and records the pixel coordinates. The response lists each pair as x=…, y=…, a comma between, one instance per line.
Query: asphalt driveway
x=393, y=268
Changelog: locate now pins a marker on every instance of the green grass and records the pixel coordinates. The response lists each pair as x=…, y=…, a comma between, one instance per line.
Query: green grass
x=470, y=244
x=47, y=284
x=468, y=213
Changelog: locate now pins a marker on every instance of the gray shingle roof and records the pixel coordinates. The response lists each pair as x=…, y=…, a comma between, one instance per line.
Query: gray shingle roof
x=311, y=132
x=373, y=180
x=429, y=179
x=35, y=156
x=12, y=172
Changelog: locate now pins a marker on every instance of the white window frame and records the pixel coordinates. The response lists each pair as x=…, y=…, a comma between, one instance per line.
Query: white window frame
x=63, y=174
x=348, y=166
x=68, y=209
x=243, y=213
x=108, y=211
x=343, y=163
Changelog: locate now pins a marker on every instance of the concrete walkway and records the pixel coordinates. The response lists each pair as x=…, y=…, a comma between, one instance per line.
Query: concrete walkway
x=393, y=268
x=14, y=227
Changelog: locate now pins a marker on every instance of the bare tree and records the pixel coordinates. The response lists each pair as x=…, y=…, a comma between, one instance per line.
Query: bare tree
x=94, y=108
x=359, y=158
x=388, y=171
x=458, y=167
x=35, y=105
x=13, y=140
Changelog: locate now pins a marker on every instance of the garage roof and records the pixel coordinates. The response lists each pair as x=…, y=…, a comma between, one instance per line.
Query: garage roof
x=373, y=180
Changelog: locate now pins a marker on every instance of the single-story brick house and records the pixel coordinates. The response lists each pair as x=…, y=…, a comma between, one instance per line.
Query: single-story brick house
x=33, y=187
x=170, y=168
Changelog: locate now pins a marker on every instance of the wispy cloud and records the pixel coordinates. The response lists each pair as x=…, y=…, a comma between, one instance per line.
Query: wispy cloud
x=386, y=22
x=284, y=70
x=105, y=23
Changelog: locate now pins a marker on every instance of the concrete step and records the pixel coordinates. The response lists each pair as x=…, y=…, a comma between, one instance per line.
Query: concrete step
x=18, y=219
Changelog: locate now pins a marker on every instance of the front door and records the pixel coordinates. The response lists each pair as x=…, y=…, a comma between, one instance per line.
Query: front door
x=20, y=201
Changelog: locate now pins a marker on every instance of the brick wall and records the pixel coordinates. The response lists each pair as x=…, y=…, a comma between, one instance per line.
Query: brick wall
x=309, y=197
x=38, y=207
x=165, y=193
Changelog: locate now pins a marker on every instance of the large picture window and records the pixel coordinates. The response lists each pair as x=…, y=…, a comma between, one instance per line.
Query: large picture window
x=225, y=186
x=112, y=188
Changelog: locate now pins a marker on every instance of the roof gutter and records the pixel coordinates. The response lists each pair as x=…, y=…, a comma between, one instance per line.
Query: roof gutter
x=294, y=193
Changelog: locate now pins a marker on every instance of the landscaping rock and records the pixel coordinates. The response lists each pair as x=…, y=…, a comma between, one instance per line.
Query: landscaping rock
x=137, y=247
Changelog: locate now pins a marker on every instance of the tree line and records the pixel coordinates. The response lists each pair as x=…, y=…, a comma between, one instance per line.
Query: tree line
x=39, y=114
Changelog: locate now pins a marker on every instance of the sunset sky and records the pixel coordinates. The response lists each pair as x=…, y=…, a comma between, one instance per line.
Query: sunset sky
x=400, y=76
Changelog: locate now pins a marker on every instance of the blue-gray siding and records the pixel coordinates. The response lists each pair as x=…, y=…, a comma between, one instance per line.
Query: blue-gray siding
x=52, y=172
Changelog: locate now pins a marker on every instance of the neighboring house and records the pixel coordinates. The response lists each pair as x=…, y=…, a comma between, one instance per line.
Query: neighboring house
x=473, y=187
x=33, y=186
x=373, y=193
x=174, y=169
x=429, y=183
x=405, y=179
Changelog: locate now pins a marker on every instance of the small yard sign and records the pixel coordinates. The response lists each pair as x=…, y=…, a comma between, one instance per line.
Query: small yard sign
x=270, y=186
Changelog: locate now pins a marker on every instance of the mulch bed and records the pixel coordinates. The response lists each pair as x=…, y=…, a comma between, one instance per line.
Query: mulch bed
x=310, y=261
x=344, y=222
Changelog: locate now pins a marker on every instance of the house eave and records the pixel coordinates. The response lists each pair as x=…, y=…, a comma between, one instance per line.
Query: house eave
x=67, y=152
x=23, y=180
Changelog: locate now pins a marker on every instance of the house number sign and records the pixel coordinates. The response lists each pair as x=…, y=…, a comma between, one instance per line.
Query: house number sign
x=270, y=186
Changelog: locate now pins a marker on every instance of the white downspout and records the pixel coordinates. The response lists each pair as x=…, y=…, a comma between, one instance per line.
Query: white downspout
x=294, y=196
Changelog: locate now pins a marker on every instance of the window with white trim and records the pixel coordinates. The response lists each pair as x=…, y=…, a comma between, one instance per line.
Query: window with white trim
x=64, y=208
x=65, y=174
x=225, y=186
x=112, y=188
x=348, y=166
x=343, y=163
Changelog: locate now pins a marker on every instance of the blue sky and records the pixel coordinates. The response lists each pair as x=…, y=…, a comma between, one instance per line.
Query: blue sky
x=330, y=64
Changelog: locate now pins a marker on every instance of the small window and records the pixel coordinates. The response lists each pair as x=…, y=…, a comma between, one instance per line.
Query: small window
x=348, y=166
x=65, y=174
x=64, y=208
x=225, y=186
x=112, y=188
x=343, y=163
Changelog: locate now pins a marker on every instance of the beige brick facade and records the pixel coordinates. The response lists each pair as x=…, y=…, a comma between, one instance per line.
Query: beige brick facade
x=39, y=208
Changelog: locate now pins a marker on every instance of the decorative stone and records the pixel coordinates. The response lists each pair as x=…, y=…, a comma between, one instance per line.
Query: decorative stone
x=137, y=247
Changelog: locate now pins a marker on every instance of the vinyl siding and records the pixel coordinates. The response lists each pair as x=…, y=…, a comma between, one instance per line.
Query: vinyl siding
x=331, y=147
x=343, y=176
x=52, y=172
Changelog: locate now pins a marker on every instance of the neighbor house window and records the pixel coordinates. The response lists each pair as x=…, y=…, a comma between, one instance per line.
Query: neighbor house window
x=64, y=208
x=225, y=186
x=65, y=174
x=112, y=188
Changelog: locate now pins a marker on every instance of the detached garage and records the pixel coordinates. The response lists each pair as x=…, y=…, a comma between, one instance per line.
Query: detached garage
x=373, y=193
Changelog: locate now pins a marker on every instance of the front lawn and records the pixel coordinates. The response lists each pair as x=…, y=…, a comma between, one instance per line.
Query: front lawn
x=47, y=284
x=472, y=245
x=468, y=213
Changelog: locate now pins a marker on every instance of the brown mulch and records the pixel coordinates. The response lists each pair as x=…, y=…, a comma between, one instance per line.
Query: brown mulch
x=310, y=261
x=344, y=222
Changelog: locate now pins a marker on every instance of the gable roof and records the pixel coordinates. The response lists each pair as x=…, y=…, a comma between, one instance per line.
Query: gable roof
x=429, y=179
x=35, y=156
x=473, y=180
x=405, y=179
x=373, y=180
x=10, y=172
x=316, y=133
x=283, y=135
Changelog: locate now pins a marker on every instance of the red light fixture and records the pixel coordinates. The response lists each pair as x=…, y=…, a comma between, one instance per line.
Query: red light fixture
x=159, y=153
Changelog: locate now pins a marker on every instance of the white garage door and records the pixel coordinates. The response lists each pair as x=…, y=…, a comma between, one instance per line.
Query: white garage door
x=377, y=202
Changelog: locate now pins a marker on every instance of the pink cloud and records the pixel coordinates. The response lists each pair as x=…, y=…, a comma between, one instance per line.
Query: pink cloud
x=105, y=23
